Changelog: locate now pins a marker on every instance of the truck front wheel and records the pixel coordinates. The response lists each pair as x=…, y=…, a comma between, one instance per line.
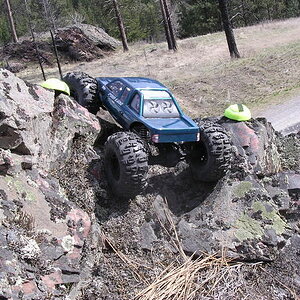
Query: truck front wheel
x=126, y=164
x=211, y=156
x=84, y=90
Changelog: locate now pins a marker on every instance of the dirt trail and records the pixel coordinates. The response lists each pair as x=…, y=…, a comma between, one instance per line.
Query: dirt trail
x=285, y=117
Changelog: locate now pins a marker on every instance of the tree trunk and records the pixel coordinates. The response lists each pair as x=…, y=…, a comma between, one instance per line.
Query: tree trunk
x=167, y=32
x=38, y=54
x=11, y=22
x=228, y=29
x=170, y=25
x=120, y=25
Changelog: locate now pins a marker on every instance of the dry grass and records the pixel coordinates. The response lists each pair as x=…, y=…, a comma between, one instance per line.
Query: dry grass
x=205, y=277
x=185, y=281
x=187, y=276
x=202, y=75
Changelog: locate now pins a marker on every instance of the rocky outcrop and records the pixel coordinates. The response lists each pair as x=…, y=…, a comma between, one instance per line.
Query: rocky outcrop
x=240, y=214
x=42, y=231
x=64, y=235
x=98, y=36
x=36, y=129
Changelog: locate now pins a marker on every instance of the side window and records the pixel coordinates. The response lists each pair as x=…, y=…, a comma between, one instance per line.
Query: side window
x=125, y=94
x=116, y=87
x=135, y=103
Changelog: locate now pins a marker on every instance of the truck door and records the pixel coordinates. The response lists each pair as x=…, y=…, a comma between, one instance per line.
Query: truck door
x=113, y=102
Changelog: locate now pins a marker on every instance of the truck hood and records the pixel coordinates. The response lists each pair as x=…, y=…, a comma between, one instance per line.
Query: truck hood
x=172, y=125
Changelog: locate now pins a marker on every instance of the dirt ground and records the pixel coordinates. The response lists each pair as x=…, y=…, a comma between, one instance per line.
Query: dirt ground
x=201, y=74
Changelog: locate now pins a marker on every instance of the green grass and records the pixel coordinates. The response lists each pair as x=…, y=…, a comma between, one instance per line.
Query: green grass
x=201, y=74
x=254, y=81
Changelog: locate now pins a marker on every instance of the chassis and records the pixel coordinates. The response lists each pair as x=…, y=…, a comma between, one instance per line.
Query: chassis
x=154, y=131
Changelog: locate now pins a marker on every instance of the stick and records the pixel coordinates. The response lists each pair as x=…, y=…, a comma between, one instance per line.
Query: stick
x=33, y=39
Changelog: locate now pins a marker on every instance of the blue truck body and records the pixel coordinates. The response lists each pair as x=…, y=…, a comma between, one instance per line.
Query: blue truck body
x=135, y=101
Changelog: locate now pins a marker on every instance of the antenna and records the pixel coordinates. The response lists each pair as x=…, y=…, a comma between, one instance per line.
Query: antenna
x=56, y=54
x=33, y=39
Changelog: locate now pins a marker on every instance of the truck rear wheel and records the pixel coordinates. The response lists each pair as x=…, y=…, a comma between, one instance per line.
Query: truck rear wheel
x=84, y=90
x=211, y=156
x=126, y=164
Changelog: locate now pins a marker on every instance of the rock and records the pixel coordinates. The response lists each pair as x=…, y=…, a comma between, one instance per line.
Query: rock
x=76, y=45
x=43, y=232
x=33, y=123
x=15, y=67
x=293, y=184
x=147, y=236
x=289, y=149
x=98, y=36
x=239, y=216
x=5, y=161
x=255, y=147
x=40, y=236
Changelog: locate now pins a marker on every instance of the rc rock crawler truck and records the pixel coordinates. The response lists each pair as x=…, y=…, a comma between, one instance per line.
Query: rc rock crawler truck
x=155, y=131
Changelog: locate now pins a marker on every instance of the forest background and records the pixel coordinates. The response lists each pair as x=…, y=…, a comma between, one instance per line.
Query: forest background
x=142, y=18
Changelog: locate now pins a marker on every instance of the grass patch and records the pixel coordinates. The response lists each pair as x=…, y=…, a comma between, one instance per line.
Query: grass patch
x=201, y=74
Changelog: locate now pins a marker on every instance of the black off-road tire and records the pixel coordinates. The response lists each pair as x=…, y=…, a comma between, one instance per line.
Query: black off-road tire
x=84, y=90
x=211, y=156
x=126, y=164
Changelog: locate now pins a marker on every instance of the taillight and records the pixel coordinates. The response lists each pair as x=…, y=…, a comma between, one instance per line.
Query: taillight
x=155, y=138
x=198, y=136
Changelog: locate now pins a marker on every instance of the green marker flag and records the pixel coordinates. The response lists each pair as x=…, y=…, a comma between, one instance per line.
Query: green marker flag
x=238, y=112
x=57, y=85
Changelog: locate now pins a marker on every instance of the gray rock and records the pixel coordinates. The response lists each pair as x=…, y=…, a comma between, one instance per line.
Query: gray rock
x=98, y=36
x=237, y=213
x=147, y=236
x=35, y=124
x=255, y=146
x=43, y=231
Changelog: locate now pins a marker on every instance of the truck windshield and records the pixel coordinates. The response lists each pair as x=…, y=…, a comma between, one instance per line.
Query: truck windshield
x=159, y=104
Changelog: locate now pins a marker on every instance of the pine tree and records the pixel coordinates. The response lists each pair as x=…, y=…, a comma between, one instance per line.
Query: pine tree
x=228, y=29
x=11, y=21
x=120, y=25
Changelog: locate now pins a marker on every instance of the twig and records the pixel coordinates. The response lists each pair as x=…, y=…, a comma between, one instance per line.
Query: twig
x=133, y=266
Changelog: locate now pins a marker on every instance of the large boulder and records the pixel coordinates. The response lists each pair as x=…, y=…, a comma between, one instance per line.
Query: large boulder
x=98, y=36
x=244, y=212
x=73, y=43
x=37, y=129
x=43, y=230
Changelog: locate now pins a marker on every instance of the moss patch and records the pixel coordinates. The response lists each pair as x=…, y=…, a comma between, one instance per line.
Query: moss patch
x=248, y=228
x=21, y=188
x=268, y=212
x=241, y=189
